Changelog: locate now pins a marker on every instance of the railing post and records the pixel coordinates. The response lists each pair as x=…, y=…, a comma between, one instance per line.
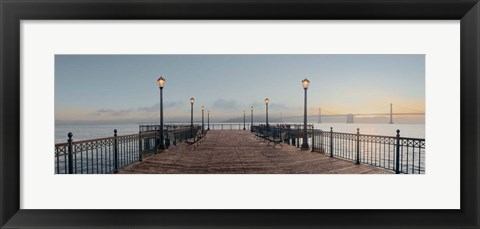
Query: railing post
x=298, y=139
x=115, y=152
x=70, y=153
x=397, y=167
x=157, y=139
x=167, y=138
x=331, y=141
x=140, y=146
x=358, y=147
x=290, y=136
x=313, y=138
x=174, y=135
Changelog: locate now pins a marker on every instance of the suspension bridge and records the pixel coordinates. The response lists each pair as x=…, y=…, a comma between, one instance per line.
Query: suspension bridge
x=350, y=117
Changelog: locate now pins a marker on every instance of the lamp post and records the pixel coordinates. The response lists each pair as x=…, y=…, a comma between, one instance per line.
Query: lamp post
x=266, y=111
x=251, y=119
x=305, y=146
x=208, y=120
x=243, y=120
x=161, y=84
x=203, y=123
x=192, y=100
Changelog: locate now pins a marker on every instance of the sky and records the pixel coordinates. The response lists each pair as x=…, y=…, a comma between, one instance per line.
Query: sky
x=123, y=88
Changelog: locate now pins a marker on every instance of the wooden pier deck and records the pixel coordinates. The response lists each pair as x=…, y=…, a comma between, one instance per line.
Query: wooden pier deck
x=238, y=152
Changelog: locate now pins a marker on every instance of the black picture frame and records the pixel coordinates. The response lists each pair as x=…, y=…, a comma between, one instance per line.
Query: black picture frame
x=13, y=11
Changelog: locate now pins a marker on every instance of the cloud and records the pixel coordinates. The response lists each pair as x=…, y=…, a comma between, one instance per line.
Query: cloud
x=272, y=106
x=257, y=104
x=224, y=104
x=278, y=106
x=156, y=107
x=111, y=112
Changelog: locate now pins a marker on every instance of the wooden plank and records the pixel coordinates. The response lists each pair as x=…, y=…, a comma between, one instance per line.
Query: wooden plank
x=238, y=152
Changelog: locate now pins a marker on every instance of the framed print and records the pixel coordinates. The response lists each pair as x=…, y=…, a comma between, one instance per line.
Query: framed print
x=239, y=114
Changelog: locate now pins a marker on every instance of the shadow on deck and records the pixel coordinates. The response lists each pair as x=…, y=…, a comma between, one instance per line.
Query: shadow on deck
x=238, y=152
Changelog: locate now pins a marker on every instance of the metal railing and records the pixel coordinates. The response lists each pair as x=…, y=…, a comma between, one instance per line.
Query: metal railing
x=289, y=133
x=212, y=126
x=156, y=127
x=228, y=126
x=107, y=155
x=102, y=155
x=219, y=126
x=173, y=133
x=400, y=154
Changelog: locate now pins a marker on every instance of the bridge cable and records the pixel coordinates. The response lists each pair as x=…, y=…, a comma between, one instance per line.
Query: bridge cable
x=409, y=109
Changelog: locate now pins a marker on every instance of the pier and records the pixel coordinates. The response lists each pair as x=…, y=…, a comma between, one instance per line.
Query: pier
x=239, y=152
x=227, y=148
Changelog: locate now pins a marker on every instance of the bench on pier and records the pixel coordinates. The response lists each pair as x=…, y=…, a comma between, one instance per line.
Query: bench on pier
x=265, y=135
x=260, y=135
x=192, y=143
x=274, y=137
x=203, y=135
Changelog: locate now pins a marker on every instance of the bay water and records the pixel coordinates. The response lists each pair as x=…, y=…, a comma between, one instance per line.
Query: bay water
x=92, y=131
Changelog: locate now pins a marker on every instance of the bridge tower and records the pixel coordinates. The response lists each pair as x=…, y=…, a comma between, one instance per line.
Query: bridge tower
x=391, y=114
x=350, y=118
x=319, y=115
